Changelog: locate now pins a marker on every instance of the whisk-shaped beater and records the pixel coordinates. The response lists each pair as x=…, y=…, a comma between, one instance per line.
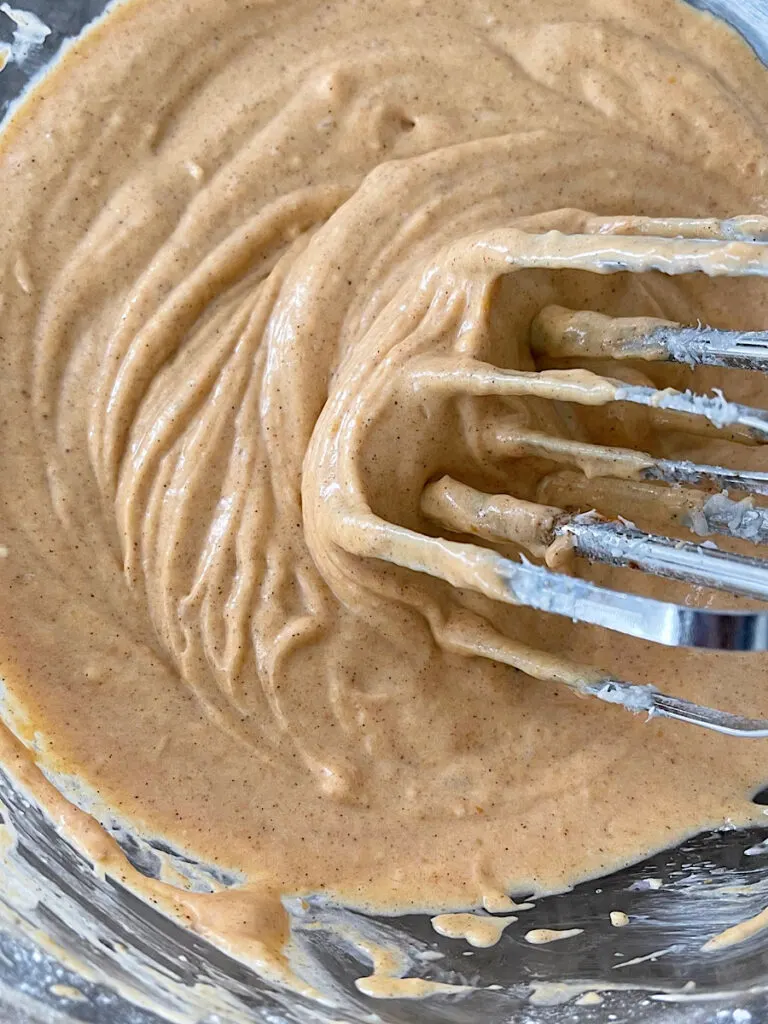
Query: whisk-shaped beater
x=698, y=495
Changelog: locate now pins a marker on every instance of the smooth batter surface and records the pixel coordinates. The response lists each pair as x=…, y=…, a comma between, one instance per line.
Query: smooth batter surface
x=225, y=230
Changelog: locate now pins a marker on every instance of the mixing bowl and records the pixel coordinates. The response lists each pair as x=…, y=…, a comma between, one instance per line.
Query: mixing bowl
x=75, y=946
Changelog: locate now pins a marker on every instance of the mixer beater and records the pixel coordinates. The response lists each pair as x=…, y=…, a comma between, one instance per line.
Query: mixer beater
x=699, y=496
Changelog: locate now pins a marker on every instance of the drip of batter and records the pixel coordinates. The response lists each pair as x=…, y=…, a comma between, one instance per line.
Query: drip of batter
x=227, y=228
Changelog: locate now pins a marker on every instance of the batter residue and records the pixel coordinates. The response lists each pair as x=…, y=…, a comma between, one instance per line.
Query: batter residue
x=541, y=936
x=479, y=930
x=226, y=228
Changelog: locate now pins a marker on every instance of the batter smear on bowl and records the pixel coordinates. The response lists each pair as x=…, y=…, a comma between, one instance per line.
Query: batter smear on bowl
x=224, y=228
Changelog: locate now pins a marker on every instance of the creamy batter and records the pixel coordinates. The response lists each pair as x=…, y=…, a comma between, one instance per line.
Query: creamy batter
x=226, y=229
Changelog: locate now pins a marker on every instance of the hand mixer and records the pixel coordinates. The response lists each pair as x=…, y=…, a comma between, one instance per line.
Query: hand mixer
x=698, y=494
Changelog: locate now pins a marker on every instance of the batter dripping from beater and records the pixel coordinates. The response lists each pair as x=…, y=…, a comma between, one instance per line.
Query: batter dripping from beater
x=213, y=273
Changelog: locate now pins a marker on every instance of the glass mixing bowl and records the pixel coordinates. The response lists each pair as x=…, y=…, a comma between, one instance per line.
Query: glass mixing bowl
x=91, y=951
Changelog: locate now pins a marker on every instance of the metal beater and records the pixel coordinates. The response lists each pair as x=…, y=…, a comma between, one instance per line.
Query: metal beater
x=701, y=494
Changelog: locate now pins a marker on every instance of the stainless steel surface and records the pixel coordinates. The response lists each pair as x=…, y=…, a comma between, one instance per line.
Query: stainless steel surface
x=714, y=408
x=674, y=471
x=616, y=543
x=661, y=622
x=112, y=940
x=747, y=350
x=648, y=700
